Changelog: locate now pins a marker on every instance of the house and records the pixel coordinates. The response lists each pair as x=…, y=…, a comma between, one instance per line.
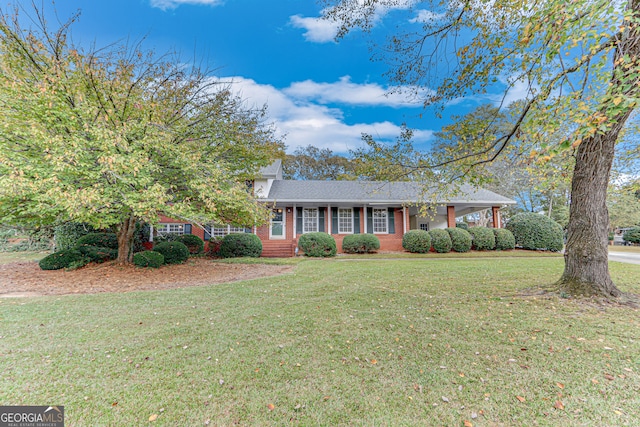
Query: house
x=386, y=209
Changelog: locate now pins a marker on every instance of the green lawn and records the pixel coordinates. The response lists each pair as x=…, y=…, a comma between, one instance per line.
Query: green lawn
x=393, y=342
x=7, y=257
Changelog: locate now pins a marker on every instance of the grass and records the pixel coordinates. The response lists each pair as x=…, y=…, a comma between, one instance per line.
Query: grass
x=399, y=342
x=8, y=257
x=633, y=249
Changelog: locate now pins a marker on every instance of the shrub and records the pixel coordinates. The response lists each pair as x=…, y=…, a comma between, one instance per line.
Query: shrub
x=460, y=239
x=173, y=252
x=317, y=244
x=65, y=258
x=360, y=244
x=97, y=254
x=440, y=240
x=102, y=240
x=632, y=235
x=504, y=239
x=417, y=241
x=240, y=245
x=213, y=247
x=482, y=238
x=462, y=225
x=151, y=259
x=192, y=242
x=65, y=236
x=535, y=232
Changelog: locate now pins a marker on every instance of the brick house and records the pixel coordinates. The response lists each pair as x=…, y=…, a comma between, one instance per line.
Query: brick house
x=386, y=209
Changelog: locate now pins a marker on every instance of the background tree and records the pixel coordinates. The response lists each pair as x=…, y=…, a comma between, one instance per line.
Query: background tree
x=115, y=135
x=312, y=163
x=624, y=205
x=579, y=62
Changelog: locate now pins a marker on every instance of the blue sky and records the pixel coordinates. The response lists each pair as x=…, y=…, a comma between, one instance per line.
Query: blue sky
x=276, y=52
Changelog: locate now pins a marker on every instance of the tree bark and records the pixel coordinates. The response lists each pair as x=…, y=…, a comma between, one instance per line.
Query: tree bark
x=586, y=269
x=125, y=239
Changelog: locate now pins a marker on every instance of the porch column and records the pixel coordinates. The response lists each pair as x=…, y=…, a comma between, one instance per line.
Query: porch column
x=295, y=221
x=495, y=210
x=404, y=220
x=451, y=216
x=329, y=220
x=151, y=233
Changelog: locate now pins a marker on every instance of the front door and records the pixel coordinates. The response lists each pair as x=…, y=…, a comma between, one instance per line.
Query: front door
x=278, y=224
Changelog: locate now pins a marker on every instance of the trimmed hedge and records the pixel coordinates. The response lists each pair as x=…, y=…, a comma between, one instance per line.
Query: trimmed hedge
x=504, y=239
x=98, y=254
x=101, y=240
x=536, y=232
x=66, y=258
x=416, y=241
x=460, y=239
x=192, y=242
x=360, y=244
x=150, y=259
x=440, y=240
x=632, y=236
x=66, y=235
x=483, y=238
x=462, y=225
x=240, y=245
x=317, y=244
x=173, y=252
x=213, y=247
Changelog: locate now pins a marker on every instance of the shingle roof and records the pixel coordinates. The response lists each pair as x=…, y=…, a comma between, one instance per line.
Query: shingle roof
x=271, y=171
x=373, y=192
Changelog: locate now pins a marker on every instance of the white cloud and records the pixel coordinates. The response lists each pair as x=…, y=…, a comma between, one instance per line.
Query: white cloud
x=344, y=91
x=318, y=30
x=426, y=16
x=305, y=123
x=172, y=4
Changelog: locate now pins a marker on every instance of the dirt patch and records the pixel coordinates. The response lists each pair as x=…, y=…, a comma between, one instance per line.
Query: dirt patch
x=27, y=279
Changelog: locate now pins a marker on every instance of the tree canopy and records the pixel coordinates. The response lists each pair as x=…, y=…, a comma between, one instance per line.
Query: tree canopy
x=118, y=134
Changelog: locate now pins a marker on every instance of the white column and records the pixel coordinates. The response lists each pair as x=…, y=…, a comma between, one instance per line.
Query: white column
x=404, y=220
x=329, y=221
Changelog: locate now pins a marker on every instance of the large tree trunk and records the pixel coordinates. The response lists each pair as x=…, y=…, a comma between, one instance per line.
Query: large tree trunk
x=125, y=240
x=586, y=270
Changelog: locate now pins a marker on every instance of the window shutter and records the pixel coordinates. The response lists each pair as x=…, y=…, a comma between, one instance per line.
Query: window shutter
x=207, y=233
x=187, y=229
x=321, y=219
x=298, y=220
x=392, y=221
x=356, y=220
x=370, y=220
x=334, y=220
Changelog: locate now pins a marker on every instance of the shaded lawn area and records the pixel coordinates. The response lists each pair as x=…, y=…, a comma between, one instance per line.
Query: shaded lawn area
x=396, y=342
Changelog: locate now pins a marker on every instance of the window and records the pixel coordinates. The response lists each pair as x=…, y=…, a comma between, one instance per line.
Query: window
x=380, y=221
x=424, y=226
x=309, y=220
x=223, y=230
x=170, y=229
x=345, y=220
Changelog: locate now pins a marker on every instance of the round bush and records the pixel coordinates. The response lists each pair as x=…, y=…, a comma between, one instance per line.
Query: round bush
x=66, y=235
x=194, y=243
x=150, y=259
x=416, y=241
x=462, y=225
x=440, y=240
x=504, y=239
x=173, y=252
x=240, y=245
x=482, y=238
x=317, y=244
x=536, y=232
x=101, y=240
x=65, y=258
x=632, y=235
x=460, y=239
x=98, y=254
x=360, y=244
x=213, y=247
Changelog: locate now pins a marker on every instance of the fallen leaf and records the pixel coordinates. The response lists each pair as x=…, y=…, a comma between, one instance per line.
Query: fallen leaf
x=595, y=381
x=374, y=361
x=153, y=417
x=560, y=385
x=467, y=423
x=609, y=377
x=444, y=399
x=559, y=405
x=271, y=406
x=521, y=399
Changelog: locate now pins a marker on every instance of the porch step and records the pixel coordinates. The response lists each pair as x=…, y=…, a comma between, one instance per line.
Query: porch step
x=277, y=249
